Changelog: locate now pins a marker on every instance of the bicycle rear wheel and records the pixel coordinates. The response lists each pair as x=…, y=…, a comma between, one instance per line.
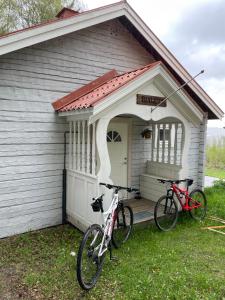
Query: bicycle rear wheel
x=197, y=197
x=122, y=225
x=89, y=264
x=165, y=213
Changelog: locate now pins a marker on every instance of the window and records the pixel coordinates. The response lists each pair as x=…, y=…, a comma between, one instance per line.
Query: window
x=113, y=136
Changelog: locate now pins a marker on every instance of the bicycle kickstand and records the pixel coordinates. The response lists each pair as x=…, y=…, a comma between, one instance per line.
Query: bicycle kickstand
x=110, y=252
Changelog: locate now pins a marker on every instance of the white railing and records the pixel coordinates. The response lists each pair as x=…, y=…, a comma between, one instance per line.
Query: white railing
x=167, y=142
x=82, y=147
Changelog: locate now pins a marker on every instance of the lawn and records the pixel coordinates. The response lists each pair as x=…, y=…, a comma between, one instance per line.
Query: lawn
x=186, y=263
x=213, y=172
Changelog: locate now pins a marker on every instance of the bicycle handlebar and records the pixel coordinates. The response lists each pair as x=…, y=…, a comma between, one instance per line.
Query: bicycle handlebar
x=176, y=181
x=117, y=187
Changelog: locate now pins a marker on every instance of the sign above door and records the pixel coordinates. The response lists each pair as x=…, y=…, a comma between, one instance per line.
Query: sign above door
x=150, y=100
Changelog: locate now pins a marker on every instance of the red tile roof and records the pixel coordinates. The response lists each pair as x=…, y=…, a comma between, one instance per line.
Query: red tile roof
x=90, y=97
x=84, y=90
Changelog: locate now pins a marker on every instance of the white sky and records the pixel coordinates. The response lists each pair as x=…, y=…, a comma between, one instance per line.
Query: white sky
x=165, y=18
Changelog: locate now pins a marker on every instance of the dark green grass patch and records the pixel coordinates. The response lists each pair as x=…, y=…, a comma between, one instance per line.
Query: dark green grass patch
x=186, y=263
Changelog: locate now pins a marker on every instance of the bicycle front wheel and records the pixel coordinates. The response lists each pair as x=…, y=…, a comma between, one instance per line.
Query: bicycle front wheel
x=89, y=263
x=166, y=213
x=122, y=225
x=198, y=203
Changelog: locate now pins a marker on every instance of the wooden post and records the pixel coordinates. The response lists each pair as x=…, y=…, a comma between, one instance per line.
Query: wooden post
x=158, y=137
x=78, y=146
x=74, y=145
x=153, y=136
x=169, y=144
x=83, y=147
x=88, y=149
x=175, y=145
x=70, y=146
x=93, y=149
x=163, y=145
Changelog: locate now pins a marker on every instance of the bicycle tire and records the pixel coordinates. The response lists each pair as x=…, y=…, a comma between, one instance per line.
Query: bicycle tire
x=166, y=213
x=200, y=212
x=85, y=278
x=122, y=226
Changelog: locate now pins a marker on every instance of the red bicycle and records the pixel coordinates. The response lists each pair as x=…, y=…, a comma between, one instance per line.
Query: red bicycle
x=166, y=209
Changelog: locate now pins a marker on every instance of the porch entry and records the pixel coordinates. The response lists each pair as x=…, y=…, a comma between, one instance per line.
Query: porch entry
x=117, y=141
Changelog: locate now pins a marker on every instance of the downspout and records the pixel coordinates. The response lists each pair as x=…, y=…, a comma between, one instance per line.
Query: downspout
x=64, y=182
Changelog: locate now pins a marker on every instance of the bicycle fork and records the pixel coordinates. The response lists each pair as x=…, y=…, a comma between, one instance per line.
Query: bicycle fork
x=169, y=201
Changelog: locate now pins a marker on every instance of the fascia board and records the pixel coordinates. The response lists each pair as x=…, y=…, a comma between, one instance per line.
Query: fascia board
x=77, y=114
x=168, y=56
x=49, y=31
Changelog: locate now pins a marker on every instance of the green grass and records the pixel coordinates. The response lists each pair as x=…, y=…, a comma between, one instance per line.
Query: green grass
x=219, y=173
x=215, y=155
x=186, y=263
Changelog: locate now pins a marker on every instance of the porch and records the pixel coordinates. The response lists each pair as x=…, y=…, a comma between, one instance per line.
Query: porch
x=121, y=141
x=143, y=209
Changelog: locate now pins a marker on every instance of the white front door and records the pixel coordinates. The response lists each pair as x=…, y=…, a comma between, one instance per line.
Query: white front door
x=117, y=137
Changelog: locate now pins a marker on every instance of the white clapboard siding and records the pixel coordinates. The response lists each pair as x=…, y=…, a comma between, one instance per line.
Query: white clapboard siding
x=34, y=221
x=29, y=117
x=18, y=201
x=30, y=150
x=30, y=208
x=196, y=155
x=31, y=133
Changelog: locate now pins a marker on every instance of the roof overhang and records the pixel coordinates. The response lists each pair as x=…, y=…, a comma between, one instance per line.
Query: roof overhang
x=38, y=34
x=161, y=79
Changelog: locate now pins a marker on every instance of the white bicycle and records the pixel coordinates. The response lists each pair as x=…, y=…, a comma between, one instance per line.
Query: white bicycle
x=116, y=228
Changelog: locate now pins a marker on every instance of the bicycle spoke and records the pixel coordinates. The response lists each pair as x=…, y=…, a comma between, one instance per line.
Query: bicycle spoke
x=166, y=213
x=122, y=225
x=198, y=204
x=89, y=263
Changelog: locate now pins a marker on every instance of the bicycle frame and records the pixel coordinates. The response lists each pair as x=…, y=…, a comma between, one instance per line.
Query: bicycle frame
x=184, y=192
x=108, y=220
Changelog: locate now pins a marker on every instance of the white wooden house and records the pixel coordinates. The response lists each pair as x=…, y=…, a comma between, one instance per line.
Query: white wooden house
x=98, y=68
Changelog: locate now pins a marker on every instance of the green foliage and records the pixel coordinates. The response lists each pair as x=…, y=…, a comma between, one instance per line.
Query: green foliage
x=17, y=14
x=215, y=155
x=185, y=263
x=220, y=185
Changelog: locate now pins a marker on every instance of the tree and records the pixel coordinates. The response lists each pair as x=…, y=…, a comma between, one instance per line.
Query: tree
x=18, y=14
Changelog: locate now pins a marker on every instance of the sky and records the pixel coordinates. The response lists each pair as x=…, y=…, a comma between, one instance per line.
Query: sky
x=193, y=30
